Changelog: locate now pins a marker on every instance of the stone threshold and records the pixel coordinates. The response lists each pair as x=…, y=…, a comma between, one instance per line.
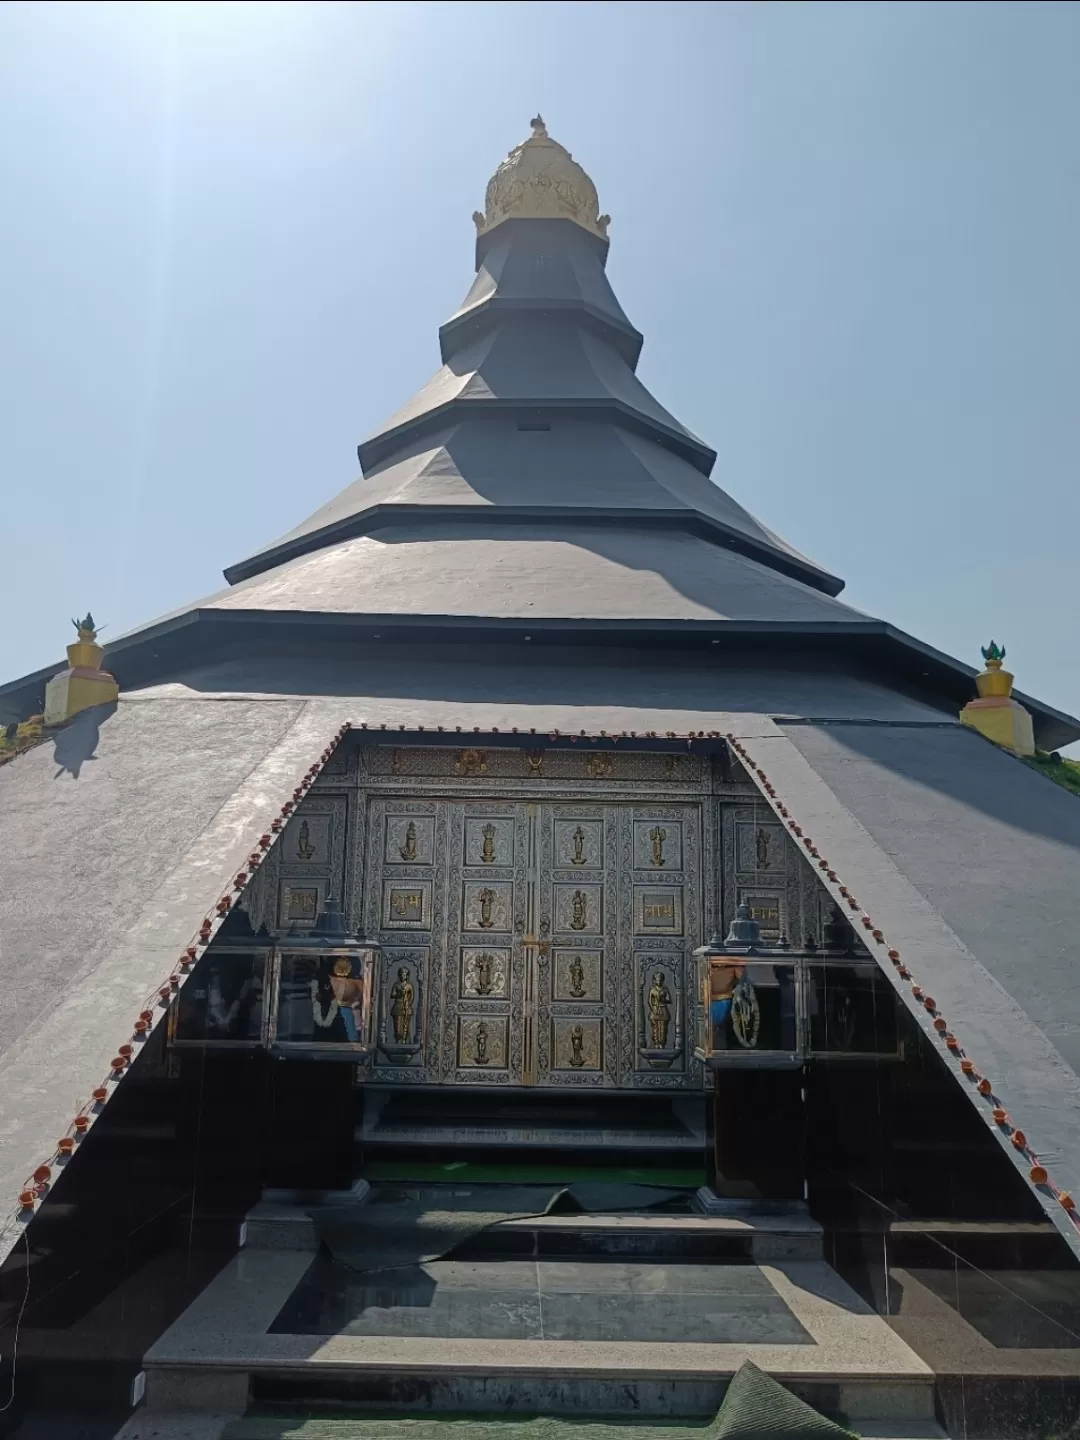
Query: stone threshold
x=218, y=1353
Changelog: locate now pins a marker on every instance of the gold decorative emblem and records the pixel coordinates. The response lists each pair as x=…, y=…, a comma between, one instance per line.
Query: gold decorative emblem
x=600, y=767
x=578, y=857
x=577, y=1042
x=487, y=852
x=657, y=836
x=482, y=973
x=408, y=850
x=402, y=1004
x=761, y=849
x=471, y=762
x=657, y=911
x=745, y=1014
x=302, y=904
x=659, y=1011
x=304, y=848
x=487, y=900
x=407, y=904
x=535, y=761
x=577, y=978
x=480, y=1055
x=579, y=913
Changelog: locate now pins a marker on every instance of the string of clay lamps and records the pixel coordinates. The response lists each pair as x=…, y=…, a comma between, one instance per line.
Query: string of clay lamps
x=1037, y=1172
x=156, y=1005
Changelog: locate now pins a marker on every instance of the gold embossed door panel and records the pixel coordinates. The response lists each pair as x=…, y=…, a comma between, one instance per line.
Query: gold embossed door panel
x=574, y=1012
x=535, y=943
x=483, y=1022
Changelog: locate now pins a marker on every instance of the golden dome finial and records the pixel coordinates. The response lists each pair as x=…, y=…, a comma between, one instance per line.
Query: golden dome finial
x=540, y=180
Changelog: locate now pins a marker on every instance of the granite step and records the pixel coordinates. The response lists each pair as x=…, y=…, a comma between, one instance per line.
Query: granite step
x=743, y=1236
x=273, y=1329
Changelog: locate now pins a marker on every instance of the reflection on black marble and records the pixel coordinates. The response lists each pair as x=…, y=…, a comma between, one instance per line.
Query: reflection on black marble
x=545, y=1300
x=1013, y=1309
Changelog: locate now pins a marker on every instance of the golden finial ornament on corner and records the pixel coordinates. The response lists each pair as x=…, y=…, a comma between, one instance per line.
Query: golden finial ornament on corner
x=84, y=683
x=995, y=713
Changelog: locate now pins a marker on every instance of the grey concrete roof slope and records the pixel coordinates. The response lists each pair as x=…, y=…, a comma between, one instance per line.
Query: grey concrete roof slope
x=990, y=842
x=537, y=407
x=968, y=862
x=566, y=687
x=543, y=264
x=532, y=571
x=575, y=466
x=550, y=363
x=117, y=836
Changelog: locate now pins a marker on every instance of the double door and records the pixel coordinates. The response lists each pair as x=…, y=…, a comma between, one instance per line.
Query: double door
x=537, y=943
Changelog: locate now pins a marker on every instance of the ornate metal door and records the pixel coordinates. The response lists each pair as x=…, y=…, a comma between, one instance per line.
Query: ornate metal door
x=535, y=942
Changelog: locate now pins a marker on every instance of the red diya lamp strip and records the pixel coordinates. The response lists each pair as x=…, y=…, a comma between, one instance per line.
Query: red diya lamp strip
x=1037, y=1173
x=36, y=1188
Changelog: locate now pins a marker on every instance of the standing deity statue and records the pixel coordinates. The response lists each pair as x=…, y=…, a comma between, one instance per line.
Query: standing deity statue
x=482, y=973
x=480, y=1056
x=578, y=910
x=487, y=851
x=578, y=857
x=658, y=835
x=577, y=1041
x=487, y=900
x=408, y=850
x=577, y=978
x=659, y=1011
x=304, y=848
x=761, y=847
x=402, y=1002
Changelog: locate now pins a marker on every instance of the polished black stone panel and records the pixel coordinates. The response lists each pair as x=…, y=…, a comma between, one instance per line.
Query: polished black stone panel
x=511, y=1299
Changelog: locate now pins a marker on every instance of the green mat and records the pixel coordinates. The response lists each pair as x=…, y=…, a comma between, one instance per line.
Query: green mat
x=755, y=1407
x=389, y=1234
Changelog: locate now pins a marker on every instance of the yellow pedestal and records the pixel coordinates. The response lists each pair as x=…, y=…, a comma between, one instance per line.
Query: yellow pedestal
x=77, y=689
x=1002, y=720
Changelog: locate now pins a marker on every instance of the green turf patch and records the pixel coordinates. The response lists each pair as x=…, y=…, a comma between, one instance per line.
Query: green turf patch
x=1065, y=773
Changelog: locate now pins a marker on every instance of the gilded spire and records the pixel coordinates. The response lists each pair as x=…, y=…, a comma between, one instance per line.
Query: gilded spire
x=540, y=180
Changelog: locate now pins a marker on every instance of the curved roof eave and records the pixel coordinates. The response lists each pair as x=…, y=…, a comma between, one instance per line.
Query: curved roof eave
x=375, y=516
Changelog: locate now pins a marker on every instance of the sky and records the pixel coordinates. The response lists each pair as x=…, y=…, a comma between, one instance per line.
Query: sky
x=849, y=233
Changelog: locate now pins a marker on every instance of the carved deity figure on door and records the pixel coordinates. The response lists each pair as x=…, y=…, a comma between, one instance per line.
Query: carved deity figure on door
x=657, y=836
x=408, y=850
x=659, y=1011
x=402, y=1005
x=577, y=1044
x=487, y=849
x=304, y=848
x=487, y=901
x=579, y=913
x=577, y=978
x=578, y=857
x=480, y=1055
x=482, y=973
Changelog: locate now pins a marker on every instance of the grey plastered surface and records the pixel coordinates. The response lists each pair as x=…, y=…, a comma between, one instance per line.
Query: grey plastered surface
x=117, y=920
x=992, y=844
x=529, y=572
x=547, y=687
x=1036, y=1085
x=576, y=465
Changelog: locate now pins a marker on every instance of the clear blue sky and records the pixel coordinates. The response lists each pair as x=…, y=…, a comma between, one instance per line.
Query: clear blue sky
x=850, y=234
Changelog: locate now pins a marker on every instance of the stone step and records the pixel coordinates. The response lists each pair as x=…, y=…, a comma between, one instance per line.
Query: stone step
x=246, y=1339
x=744, y=1236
